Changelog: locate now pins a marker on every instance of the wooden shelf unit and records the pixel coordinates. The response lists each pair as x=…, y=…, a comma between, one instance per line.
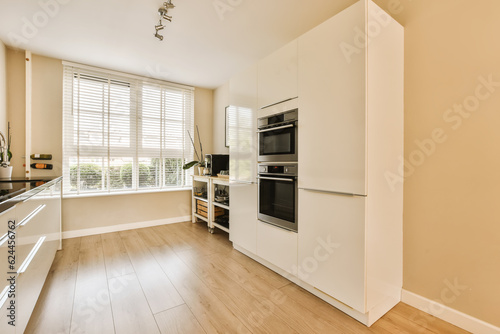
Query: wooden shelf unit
x=209, y=183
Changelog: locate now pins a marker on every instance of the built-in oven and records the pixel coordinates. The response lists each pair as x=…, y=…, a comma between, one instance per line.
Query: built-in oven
x=278, y=194
x=278, y=137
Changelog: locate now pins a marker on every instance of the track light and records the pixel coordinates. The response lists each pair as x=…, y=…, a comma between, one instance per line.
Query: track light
x=159, y=26
x=160, y=37
x=163, y=12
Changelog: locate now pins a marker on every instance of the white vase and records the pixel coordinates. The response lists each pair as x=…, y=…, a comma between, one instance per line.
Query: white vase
x=5, y=172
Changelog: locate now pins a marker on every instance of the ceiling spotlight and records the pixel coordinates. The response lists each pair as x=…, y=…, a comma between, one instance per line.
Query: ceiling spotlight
x=159, y=26
x=168, y=4
x=160, y=37
x=163, y=12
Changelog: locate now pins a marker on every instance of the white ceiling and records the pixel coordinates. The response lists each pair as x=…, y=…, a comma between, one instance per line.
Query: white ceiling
x=202, y=46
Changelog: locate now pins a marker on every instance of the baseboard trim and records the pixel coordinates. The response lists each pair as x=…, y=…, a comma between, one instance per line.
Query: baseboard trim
x=122, y=227
x=448, y=314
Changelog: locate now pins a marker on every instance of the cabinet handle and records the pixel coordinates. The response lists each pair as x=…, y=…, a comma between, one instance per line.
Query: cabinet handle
x=3, y=295
x=273, y=104
x=277, y=128
x=31, y=215
x=332, y=192
x=275, y=179
x=31, y=255
x=3, y=239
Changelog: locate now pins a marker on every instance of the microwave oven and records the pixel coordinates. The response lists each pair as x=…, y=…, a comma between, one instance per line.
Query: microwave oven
x=278, y=137
x=216, y=163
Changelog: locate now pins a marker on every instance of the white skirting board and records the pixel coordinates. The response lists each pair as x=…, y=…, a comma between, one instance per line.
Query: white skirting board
x=122, y=227
x=448, y=314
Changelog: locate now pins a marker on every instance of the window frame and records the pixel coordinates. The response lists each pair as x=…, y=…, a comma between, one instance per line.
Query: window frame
x=136, y=150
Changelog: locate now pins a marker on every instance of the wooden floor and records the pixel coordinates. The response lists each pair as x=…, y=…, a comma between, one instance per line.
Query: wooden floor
x=180, y=279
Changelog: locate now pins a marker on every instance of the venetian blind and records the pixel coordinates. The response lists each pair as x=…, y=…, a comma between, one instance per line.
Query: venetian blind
x=124, y=133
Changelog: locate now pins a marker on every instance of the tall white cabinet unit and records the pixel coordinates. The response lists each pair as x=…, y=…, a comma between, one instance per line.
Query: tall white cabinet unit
x=277, y=80
x=350, y=76
x=243, y=158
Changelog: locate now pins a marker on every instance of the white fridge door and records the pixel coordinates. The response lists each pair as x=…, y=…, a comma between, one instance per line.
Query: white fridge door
x=332, y=245
x=243, y=215
x=242, y=126
x=332, y=112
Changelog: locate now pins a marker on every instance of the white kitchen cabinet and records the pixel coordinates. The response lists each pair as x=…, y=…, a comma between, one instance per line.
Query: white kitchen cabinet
x=277, y=246
x=331, y=245
x=350, y=139
x=243, y=126
x=332, y=106
x=243, y=215
x=243, y=159
x=36, y=215
x=5, y=217
x=38, y=236
x=277, y=79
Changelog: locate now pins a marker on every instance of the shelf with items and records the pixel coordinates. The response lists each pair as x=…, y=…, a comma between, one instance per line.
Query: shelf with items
x=210, y=202
x=219, y=196
x=199, y=200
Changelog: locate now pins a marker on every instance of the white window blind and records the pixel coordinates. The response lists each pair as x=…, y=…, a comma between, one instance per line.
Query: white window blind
x=124, y=133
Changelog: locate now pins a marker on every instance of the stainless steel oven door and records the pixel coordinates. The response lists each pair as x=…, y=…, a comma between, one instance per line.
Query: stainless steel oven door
x=278, y=201
x=278, y=143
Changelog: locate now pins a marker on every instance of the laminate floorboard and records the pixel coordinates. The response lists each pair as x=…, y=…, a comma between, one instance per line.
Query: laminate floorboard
x=179, y=278
x=91, y=305
x=55, y=305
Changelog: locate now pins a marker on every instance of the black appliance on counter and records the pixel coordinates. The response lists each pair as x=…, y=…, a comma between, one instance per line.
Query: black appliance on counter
x=216, y=163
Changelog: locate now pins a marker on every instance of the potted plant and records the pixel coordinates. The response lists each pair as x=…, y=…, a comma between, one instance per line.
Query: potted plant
x=5, y=155
x=198, y=162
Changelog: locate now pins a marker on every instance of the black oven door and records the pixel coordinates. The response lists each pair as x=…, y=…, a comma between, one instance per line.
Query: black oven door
x=278, y=143
x=278, y=201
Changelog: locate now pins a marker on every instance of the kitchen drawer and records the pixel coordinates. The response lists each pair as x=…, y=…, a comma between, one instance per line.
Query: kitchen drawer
x=31, y=280
x=277, y=246
x=32, y=216
x=4, y=268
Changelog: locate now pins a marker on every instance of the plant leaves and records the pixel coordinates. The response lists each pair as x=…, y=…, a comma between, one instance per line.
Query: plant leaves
x=190, y=164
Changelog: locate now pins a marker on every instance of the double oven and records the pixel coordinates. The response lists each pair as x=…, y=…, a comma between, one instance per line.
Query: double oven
x=277, y=169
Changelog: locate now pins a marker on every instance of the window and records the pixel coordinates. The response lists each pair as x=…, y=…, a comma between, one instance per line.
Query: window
x=124, y=133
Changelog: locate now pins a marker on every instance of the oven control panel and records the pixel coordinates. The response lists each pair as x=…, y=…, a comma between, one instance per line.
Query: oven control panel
x=278, y=169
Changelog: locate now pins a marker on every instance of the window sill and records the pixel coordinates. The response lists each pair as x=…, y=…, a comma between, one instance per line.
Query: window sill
x=121, y=193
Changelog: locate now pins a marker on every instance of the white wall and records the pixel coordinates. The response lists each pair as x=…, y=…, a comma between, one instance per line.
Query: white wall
x=221, y=101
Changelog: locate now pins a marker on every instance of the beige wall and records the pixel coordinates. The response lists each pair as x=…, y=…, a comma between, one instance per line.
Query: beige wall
x=3, y=88
x=221, y=100
x=16, y=107
x=101, y=211
x=203, y=117
x=87, y=212
x=46, y=114
x=451, y=196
